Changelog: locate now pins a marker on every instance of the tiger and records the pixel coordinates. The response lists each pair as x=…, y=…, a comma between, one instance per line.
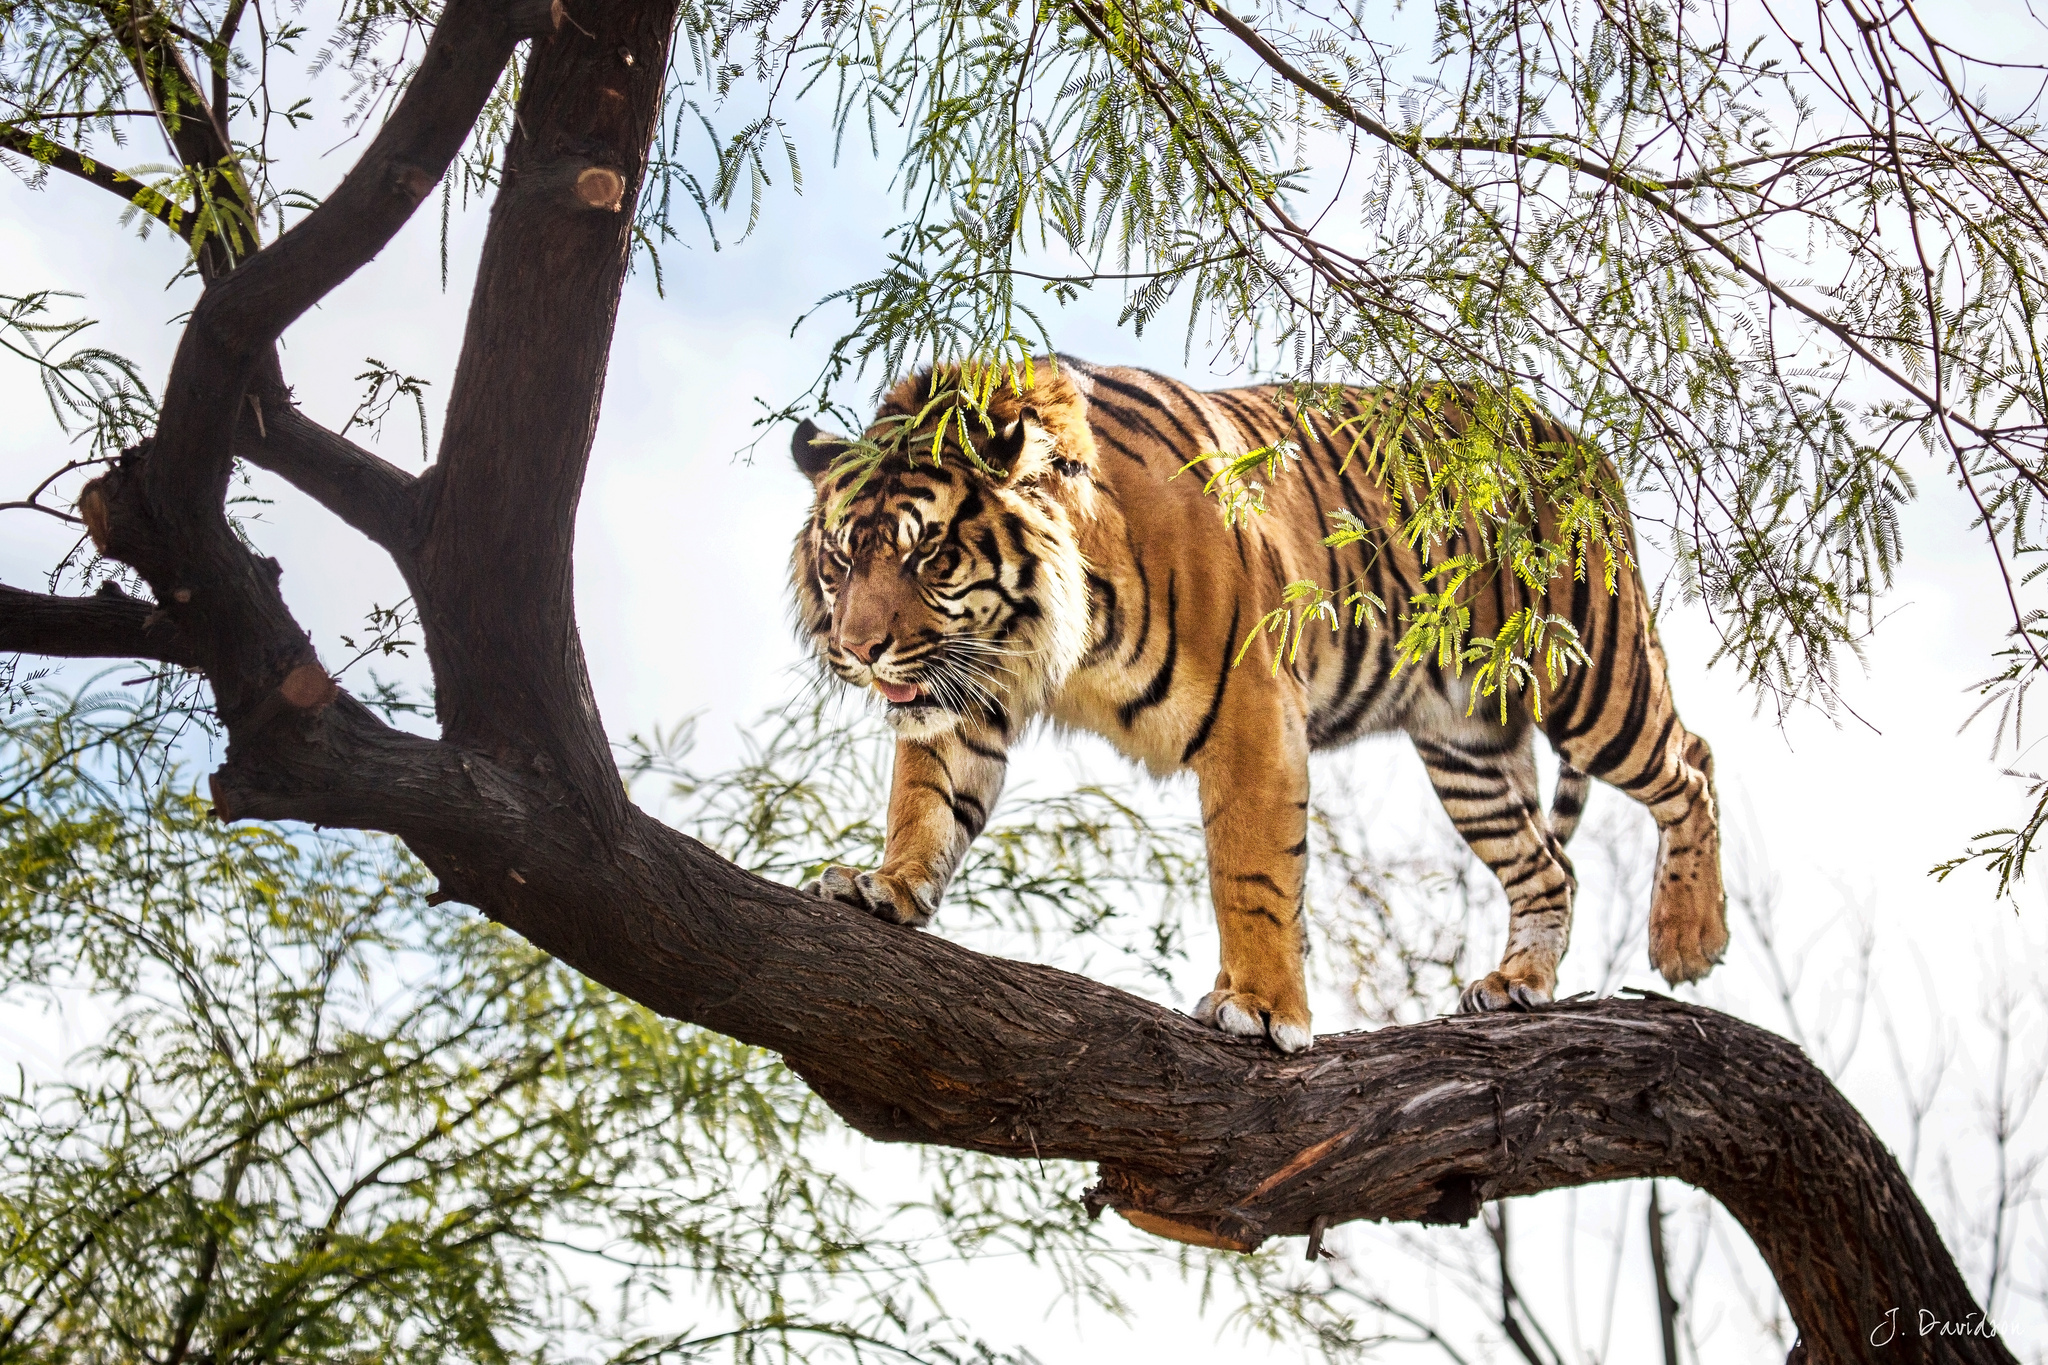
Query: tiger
x=1062, y=573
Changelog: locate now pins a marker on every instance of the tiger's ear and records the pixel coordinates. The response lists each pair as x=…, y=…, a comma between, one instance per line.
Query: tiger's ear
x=1024, y=449
x=813, y=450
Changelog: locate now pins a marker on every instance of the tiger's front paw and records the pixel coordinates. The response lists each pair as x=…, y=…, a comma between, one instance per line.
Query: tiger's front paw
x=1245, y=1015
x=886, y=896
x=1499, y=991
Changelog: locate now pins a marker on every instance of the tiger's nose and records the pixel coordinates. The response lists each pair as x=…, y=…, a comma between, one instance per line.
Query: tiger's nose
x=867, y=651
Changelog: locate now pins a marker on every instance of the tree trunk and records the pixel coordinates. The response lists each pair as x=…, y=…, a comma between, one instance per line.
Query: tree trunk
x=519, y=809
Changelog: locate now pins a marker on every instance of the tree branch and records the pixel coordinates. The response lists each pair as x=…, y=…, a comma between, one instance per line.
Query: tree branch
x=47, y=152
x=372, y=495
x=163, y=510
x=1200, y=1137
x=108, y=625
x=1650, y=192
x=495, y=587
x=244, y=313
x=198, y=132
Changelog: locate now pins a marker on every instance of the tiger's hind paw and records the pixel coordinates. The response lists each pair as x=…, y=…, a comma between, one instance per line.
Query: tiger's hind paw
x=884, y=895
x=1246, y=1016
x=1688, y=901
x=1495, y=991
x=1684, y=949
x=1688, y=912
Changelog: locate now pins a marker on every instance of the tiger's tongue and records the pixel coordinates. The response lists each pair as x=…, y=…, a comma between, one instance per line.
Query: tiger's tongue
x=897, y=692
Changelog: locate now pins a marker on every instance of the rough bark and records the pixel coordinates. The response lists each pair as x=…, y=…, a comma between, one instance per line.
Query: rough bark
x=107, y=625
x=518, y=809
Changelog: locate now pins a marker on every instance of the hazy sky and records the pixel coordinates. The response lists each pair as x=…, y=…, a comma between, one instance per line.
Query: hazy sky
x=681, y=574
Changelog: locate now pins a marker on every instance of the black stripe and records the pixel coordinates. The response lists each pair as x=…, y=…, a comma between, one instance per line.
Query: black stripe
x=1438, y=757
x=1144, y=606
x=1653, y=763
x=991, y=754
x=973, y=817
x=1235, y=406
x=1170, y=404
x=1616, y=749
x=1223, y=671
x=1103, y=434
x=1102, y=602
x=1601, y=686
x=1494, y=827
x=1156, y=404
x=1162, y=681
x=1537, y=867
x=1565, y=699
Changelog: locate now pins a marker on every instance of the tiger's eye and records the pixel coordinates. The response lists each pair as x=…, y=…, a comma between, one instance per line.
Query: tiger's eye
x=943, y=563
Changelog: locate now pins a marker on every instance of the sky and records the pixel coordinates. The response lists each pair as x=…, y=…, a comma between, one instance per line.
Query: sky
x=683, y=542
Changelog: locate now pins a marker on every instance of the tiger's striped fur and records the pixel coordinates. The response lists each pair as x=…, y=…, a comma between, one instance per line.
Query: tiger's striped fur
x=1084, y=585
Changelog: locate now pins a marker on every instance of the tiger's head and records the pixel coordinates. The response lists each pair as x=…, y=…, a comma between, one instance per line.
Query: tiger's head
x=956, y=590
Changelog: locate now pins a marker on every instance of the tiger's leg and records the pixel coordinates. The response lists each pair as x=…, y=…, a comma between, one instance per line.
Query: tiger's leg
x=940, y=796
x=1671, y=771
x=1485, y=774
x=1253, y=771
x=1633, y=740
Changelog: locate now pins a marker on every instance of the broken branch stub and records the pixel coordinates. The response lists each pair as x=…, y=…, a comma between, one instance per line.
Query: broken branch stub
x=535, y=18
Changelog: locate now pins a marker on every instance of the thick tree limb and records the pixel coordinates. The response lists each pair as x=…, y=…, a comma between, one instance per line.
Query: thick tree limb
x=108, y=625
x=496, y=562
x=914, y=1039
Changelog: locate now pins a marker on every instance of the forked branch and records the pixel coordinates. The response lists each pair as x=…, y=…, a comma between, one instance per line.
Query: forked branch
x=163, y=510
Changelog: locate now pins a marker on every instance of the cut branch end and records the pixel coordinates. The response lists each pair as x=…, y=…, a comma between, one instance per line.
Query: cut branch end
x=1191, y=1233
x=217, y=791
x=92, y=509
x=600, y=187
x=307, y=688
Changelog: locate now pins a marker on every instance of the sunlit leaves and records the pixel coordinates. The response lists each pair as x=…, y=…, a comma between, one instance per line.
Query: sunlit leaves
x=1240, y=496
x=1531, y=651
x=1306, y=603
